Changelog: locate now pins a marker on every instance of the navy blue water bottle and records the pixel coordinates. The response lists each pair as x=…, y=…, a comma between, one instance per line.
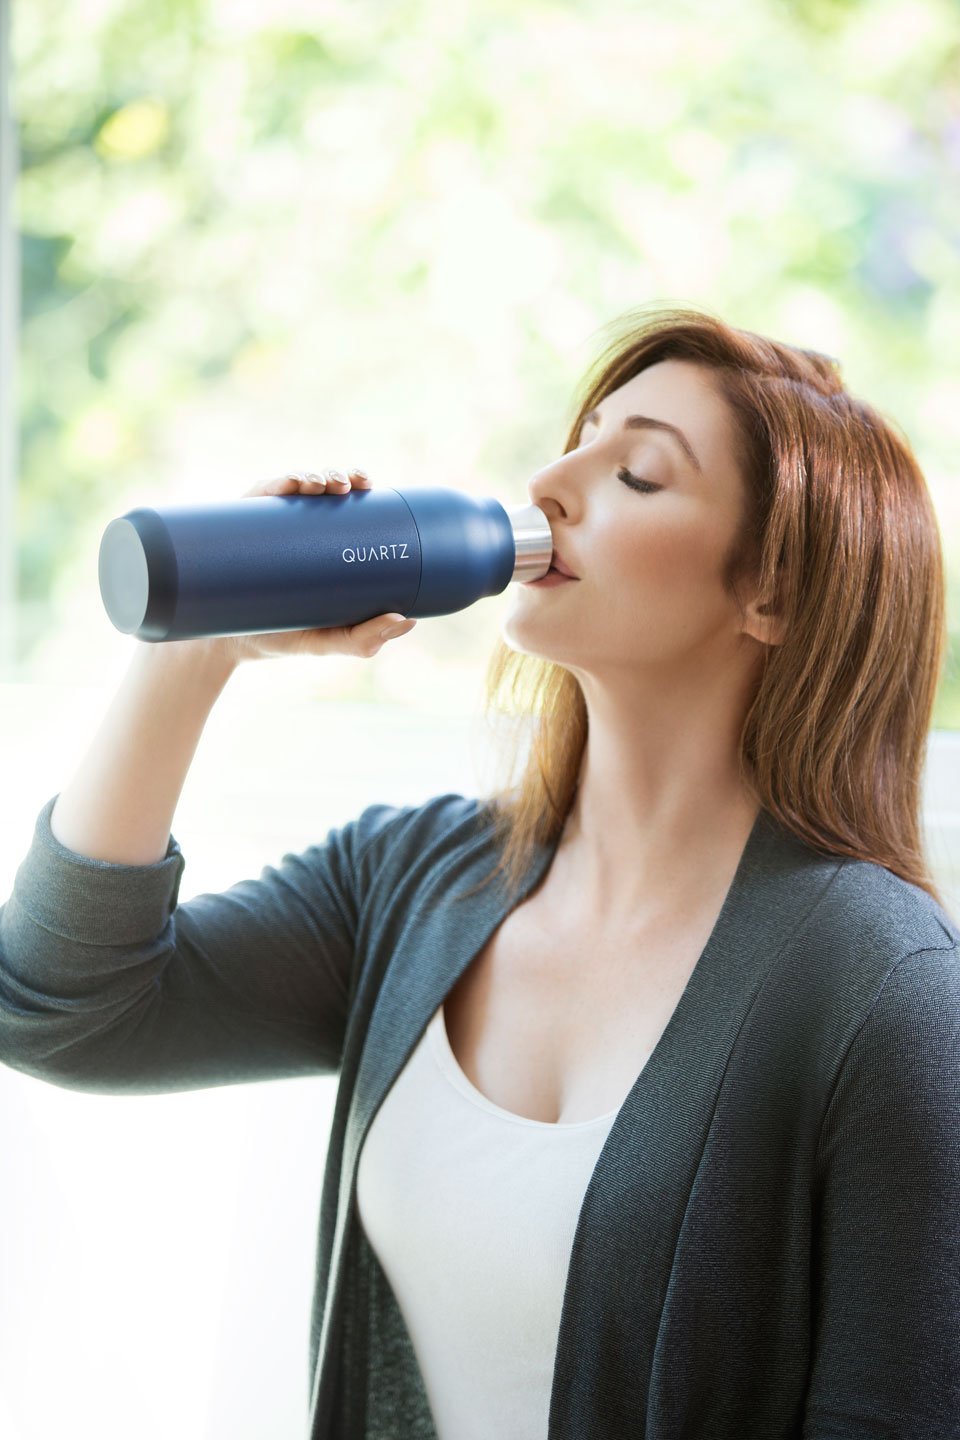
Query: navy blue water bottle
x=266, y=563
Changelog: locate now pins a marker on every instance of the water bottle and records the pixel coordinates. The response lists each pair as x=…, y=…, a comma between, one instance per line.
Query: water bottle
x=265, y=563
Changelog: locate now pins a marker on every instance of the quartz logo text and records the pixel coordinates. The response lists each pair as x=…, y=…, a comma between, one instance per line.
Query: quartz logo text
x=375, y=552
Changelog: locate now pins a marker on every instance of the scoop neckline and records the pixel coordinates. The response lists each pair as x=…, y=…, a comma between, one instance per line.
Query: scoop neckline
x=450, y=1065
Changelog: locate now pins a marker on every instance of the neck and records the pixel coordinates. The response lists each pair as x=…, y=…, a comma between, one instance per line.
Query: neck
x=661, y=812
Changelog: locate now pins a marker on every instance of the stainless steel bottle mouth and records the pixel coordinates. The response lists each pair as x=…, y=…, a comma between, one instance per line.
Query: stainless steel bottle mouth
x=534, y=541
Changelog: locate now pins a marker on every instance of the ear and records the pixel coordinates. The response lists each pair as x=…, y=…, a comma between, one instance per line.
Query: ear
x=763, y=626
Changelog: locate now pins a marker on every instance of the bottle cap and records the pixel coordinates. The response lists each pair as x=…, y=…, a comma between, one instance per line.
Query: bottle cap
x=534, y=541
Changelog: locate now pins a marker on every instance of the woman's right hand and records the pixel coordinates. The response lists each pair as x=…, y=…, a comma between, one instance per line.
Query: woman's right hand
x=364, y=639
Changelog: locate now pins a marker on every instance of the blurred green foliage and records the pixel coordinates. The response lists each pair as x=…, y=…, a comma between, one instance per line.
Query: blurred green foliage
x=260, y=237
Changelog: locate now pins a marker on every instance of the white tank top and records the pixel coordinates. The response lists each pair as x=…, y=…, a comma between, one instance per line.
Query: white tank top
x=471, y=1211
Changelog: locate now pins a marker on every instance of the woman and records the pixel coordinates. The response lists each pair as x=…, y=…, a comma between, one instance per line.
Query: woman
x=648, y=1102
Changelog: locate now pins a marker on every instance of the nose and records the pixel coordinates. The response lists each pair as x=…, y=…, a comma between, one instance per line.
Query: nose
x=554, y=485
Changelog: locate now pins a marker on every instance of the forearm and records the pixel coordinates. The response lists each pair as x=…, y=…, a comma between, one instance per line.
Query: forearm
x=119, y=805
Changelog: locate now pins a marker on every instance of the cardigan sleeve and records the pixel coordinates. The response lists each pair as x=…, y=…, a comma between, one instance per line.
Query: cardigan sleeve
x=108, y=984
x=886, y=1352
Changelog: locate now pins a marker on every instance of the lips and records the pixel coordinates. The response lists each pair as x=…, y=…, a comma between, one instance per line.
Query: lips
x=557, y=563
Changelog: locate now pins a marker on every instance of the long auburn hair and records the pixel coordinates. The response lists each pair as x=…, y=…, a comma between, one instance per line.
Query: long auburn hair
x=840, y=532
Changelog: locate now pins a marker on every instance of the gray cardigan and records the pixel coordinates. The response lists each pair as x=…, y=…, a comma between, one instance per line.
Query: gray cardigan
x=769, y=1245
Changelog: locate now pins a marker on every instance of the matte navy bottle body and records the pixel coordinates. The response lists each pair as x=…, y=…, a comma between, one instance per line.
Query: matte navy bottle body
x=268, y=563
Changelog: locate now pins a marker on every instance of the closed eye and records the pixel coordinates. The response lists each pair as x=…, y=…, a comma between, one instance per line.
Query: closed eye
x=635, y=483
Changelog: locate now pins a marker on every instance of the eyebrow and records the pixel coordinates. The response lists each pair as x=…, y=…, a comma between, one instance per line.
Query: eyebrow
x=647, y=422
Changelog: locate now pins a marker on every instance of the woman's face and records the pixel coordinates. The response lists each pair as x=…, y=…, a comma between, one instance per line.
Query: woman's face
x=649, y=560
